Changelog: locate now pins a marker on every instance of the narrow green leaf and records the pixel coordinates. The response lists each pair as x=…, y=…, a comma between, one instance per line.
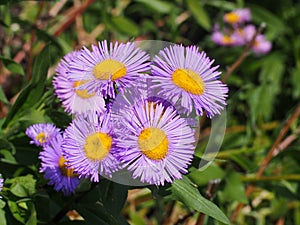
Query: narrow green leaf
x=2, y=212
x=34, y=90
x=156, y=5
x=92, y=214
x=12, y=65
x=295, y=82
x=2, y=217
x=32, y=220
x=114, y=196
x=222, y=4
x=184, y=191
x=243, y=162
x=196, y=8
x=125, y=25
x=7, y=156
x=262, y=98
x=275, y=25
x=3, y=97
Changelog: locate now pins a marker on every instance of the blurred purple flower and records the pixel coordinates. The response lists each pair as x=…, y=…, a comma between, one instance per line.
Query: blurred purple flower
x=261, y=45
x=233, y=39
x=1, y=183
x=237, y=16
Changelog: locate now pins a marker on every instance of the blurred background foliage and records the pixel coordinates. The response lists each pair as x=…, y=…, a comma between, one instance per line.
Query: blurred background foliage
x=258, y=165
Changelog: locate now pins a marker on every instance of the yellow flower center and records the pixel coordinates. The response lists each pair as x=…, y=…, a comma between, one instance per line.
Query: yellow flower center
x=42, y=137
x=153, y=143
x=82, y=93
x=226, y=39
x=97, y=146
x=189, y=81
x=63, y=168
x=109, y=68
x=231, y=17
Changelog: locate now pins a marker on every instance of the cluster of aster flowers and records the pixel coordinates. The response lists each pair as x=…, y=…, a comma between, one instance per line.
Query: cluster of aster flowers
x=129, y=112
x=237, y=32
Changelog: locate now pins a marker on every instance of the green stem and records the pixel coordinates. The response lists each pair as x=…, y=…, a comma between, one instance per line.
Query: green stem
x=295, y=177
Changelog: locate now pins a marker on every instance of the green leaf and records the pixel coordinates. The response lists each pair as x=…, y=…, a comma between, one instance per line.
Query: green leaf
x=234, y=189
x=12, y=65
x=156, y=5
x=17, y=212
x=262, y=98
x=93, y=214
x=7, y=156
x=196, y=8
x=222, y=4
x=125, y=25
x=295, y=82
x=2, y=212
x=184, y=191
x=32, y=220
x=114, y=196
x=34, y=90
x=202, y=177
x=243, y=162
x=2, y=217
x=3, y=97
x=104, y=201
x=22, y=186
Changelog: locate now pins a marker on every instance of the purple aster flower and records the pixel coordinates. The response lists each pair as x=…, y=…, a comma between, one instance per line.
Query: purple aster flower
x=230, y=39
x=183, y=74
x=104, y=68
x=56, y=168
x=73, y=99
x=90, y=145
x=158, y=145
x=247, y=32
x=238, y=16
x=261, y=45
x=41, y=133
x=1, y=183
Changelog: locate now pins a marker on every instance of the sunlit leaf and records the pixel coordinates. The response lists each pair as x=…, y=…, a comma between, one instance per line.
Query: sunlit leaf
x=157, y=5
x=196, y=7
x=184, y=191
x=200, y=177
x=2, y=96
x=234, y=189
x=22, y=186
x=12, y=65
x=125, y=25
x=34, y=90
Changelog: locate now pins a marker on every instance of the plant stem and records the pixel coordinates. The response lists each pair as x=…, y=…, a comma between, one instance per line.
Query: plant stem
x=268, y=158
x=295, y=177
x=244, y=54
